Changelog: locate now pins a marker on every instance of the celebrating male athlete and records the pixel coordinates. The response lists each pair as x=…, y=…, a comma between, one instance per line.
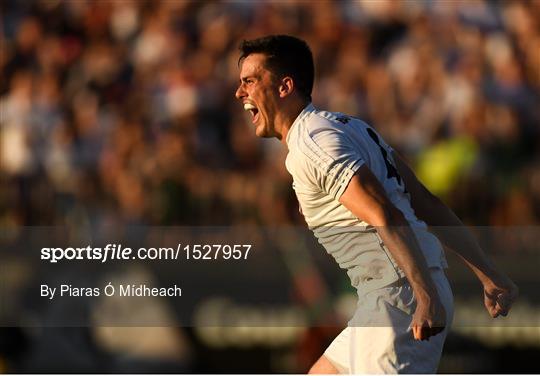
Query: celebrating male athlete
x=371, y=214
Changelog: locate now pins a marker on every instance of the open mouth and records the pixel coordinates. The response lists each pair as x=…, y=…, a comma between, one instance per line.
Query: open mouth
x=253, y=110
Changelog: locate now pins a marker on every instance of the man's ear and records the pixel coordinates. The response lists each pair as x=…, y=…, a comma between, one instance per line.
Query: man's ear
x=286, y=87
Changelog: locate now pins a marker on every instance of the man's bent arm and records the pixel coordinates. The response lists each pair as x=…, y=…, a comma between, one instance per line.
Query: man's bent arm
x=500, y=291
x=366, y=199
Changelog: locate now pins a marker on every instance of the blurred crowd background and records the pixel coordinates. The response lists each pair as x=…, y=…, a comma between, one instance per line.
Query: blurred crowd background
x=124, y=111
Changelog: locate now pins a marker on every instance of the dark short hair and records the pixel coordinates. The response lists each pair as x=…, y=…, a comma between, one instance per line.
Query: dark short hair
x=285, y=56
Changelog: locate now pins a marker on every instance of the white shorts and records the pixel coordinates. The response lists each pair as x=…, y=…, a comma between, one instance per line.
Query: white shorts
x=378, y=339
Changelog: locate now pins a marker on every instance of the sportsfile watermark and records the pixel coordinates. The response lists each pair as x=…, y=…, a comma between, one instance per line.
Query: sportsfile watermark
x=209, y=277
x=118, y=252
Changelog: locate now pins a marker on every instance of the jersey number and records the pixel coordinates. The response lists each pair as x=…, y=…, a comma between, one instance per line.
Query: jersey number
x=391, y=171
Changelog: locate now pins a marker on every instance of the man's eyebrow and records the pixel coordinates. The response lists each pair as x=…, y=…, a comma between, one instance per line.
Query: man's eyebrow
x=245, y=78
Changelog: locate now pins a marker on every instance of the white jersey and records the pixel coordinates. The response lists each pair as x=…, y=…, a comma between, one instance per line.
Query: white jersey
x=325, y=150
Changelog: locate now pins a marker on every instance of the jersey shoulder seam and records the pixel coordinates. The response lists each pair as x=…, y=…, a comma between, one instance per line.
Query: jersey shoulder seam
x=311, y=149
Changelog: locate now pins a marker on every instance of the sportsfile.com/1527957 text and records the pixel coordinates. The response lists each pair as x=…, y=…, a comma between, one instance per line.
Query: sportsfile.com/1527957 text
x=112, y=252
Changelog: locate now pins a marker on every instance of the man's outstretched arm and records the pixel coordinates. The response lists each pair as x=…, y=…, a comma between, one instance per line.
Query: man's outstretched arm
x=499, y=291
x=366, y=199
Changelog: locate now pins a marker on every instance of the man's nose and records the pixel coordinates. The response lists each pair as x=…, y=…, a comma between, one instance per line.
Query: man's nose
x=240, y=93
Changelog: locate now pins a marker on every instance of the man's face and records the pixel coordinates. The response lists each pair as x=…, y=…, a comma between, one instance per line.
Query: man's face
x=259, y=94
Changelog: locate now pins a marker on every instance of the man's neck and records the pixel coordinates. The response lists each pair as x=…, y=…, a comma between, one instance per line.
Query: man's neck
x=287, y=118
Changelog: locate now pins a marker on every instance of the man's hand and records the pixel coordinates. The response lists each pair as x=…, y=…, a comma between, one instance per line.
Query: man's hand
x=429, y=319
x=499, y=295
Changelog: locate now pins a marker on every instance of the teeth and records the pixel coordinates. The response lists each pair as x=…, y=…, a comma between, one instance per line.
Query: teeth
x=249, y=106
